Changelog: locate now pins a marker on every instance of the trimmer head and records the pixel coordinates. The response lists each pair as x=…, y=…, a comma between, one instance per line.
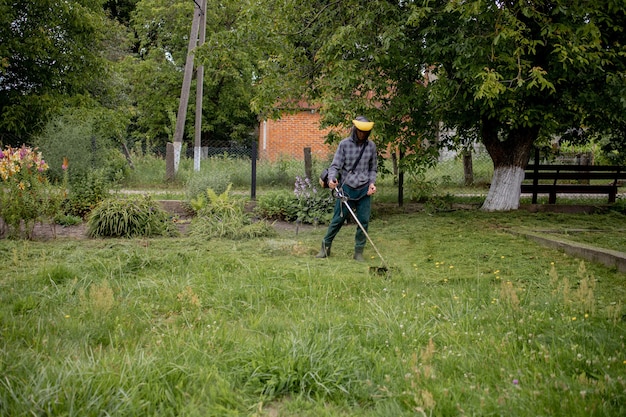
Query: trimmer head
x=379, y=270
x=383, y=271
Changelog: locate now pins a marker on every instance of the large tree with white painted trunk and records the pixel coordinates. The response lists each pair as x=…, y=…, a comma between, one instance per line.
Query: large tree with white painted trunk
x=510, y=72
x=518, y=71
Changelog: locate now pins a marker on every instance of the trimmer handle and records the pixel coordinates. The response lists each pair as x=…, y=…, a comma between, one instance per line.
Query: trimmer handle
x=338, y=193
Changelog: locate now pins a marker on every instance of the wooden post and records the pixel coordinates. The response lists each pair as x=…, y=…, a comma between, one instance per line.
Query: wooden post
x=184, y=91
x=400, y=180
x=197, y=149
x=468, y=168
x=253, y=157
x=536, y=177
x=308, y=163
x=170, y=172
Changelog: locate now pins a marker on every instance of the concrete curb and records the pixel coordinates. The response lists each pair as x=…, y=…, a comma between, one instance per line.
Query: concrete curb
x=607, y=257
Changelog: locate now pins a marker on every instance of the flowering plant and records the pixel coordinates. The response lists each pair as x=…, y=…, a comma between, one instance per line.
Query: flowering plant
x=312, y=206
x=25, y=193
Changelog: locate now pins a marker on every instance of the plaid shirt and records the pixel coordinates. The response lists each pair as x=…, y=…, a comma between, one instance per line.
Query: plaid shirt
x=348, y=151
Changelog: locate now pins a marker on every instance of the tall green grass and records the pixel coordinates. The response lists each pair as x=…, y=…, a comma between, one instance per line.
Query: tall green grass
x=472, y=321
x=149, y=172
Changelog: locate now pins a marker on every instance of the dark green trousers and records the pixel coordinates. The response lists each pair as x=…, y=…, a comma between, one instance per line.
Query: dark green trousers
x=361, y=205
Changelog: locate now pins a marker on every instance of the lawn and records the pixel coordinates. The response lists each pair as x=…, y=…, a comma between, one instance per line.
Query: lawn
x=472, y=320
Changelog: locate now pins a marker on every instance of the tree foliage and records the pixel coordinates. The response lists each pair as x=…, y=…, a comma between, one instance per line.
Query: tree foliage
x=49, y=51
x=156, y=72
x=125, y=56
x=508, y=71
x=513, y=73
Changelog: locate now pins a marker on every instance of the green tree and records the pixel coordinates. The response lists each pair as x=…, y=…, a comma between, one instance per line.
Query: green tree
x=512, y=72
x=156, y=73
x=50, y=50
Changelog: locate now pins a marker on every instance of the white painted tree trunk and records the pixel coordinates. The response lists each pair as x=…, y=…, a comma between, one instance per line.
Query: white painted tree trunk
x=504, y=193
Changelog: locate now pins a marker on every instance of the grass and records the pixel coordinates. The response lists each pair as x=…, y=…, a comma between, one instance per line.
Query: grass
x=472, y=321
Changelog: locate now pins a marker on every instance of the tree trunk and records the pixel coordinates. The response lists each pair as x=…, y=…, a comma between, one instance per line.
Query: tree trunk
x=510, y=157
x=504, y=192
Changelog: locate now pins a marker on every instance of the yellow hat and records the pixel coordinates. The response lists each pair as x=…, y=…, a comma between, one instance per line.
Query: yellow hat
x=364, y=126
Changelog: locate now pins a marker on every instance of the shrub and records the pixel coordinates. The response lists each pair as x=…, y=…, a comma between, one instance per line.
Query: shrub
x=129, y=217
x=307, y=204
x=26, y=195
x=67, y=220
x=86, y=192
x=277, y=205
x=313, y=206
x=78, y=136
x=223, y=216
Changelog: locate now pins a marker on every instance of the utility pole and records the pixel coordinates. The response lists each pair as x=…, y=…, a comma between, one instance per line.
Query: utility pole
x=199, y=13
x=197, y=149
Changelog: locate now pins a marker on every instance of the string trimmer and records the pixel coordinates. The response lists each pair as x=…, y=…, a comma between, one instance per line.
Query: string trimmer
x=381, y=270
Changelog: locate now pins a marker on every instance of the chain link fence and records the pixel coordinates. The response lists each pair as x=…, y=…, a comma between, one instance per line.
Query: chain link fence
x=452, y=169
x=223, y=149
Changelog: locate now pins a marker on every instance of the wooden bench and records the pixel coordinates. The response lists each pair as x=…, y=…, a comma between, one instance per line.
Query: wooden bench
x=572, y=179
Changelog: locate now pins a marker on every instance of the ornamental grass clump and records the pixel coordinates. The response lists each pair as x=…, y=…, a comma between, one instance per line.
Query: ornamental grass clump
x=129, y=217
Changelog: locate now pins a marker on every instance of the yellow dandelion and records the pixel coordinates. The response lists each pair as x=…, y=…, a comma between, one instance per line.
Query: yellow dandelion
x=451, y=266
x=573, y=318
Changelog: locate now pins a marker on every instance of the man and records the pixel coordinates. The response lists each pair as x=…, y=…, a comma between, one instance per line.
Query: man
x=358, y=184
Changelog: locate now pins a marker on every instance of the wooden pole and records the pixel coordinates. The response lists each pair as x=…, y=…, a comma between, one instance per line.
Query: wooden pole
x=468, y=167
x=169, y=162
x=184, y=91
x=197, y=149
x=308, y=163
x=253, y=156
x=400, y=179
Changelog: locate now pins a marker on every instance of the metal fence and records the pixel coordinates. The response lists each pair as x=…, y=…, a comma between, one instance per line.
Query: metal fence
x=221, y=149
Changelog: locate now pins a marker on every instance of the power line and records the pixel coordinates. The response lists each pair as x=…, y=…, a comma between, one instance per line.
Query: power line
x=199, y=7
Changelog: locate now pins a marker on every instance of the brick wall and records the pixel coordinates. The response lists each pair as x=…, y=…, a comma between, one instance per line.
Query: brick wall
x=288, y=136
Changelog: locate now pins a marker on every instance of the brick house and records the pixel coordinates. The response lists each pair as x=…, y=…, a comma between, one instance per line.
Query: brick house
x=289, y=135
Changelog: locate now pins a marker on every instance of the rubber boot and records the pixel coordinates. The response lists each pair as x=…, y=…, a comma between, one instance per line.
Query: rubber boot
x=324, y=251
x=358, y=255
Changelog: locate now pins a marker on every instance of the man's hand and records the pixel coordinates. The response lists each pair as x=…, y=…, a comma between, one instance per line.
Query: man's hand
x=371, y=190
x=333, y=184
